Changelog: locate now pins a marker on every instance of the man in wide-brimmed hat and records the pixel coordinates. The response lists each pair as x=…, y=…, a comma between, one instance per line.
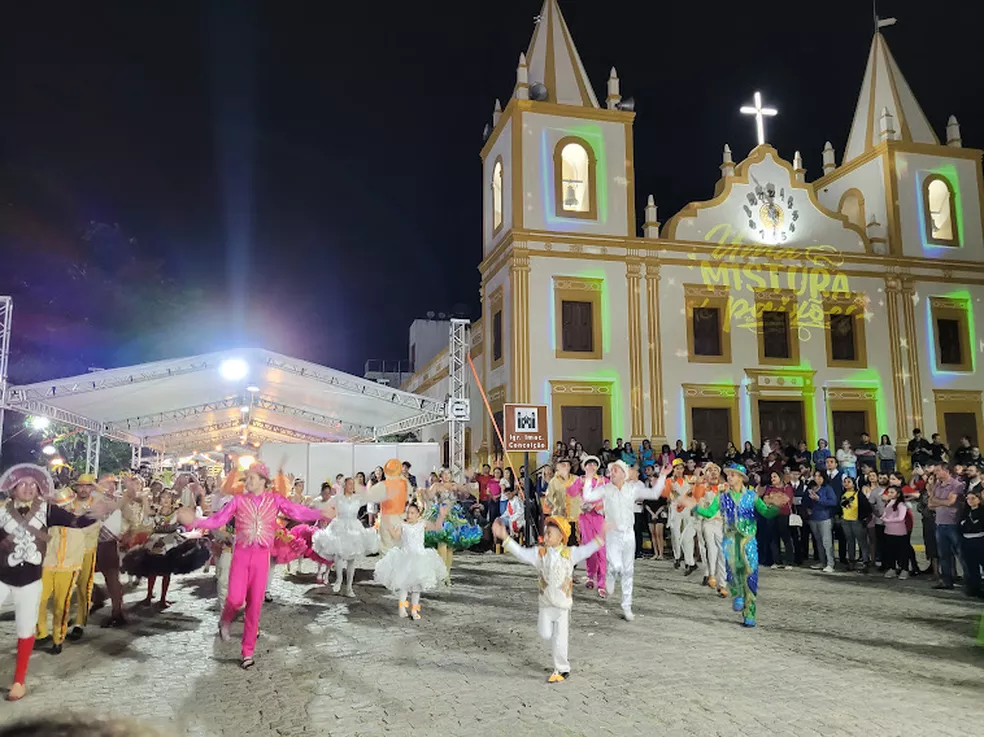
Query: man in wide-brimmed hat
x=24, y=522
x=86, y=488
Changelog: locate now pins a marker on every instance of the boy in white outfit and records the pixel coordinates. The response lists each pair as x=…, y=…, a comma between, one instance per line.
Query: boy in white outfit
x=555, y=562
x=619, y=496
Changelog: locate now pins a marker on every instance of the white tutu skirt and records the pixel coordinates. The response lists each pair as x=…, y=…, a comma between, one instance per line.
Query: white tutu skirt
x=345, y=539
x=407, y=570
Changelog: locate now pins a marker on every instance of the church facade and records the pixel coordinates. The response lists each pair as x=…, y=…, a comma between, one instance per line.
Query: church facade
x=779, y=307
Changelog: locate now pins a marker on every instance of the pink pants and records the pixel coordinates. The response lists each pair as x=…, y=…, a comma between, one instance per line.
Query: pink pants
x=247, y=584
x=590, y=525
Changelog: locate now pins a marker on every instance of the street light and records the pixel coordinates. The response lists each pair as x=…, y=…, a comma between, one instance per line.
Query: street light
x=38, y=423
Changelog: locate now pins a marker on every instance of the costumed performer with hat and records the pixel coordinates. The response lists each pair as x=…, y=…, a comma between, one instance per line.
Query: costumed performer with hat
x=738, y=506
x=619, y=497
x=591, y=522
x=255, y=511
x=86, y=490
x=24, y=522
x=555, y=562
x=710, y=528
x=108, y=553
x=59, y=571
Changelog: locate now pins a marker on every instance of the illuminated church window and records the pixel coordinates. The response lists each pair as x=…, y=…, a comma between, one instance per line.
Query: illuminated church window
x=497, y=195
x=574, y=165
x=939, y=205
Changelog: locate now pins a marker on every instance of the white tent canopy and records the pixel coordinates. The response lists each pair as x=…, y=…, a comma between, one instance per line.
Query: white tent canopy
x=189, y=403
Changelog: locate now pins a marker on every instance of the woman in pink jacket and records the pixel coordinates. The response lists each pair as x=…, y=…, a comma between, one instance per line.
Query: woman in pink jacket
x=256, y=512
x=591, y=523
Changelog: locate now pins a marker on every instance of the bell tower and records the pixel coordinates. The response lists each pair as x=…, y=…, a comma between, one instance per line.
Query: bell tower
x=554, y=159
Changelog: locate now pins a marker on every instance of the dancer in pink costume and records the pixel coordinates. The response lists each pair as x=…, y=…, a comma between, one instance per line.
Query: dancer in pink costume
x=591, y=523
x=256, y=513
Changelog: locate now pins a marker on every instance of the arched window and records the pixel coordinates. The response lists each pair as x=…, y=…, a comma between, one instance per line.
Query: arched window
x=852, y=206
x=940, y=210
x=497, y=196
x=574, y=179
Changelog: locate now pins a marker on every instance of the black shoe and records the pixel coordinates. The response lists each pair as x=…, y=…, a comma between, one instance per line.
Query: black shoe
x=704, y=581
x=76, y=634
x=42, y=643
x=942, y=585
x=690, y=569
x=56, y=649
x=676, y=564
x=267, y=598
x=117, y=621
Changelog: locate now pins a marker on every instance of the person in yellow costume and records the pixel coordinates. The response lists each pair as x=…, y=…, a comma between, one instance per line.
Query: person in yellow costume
x=558, y=503
x=85, y=487
x=59, y=573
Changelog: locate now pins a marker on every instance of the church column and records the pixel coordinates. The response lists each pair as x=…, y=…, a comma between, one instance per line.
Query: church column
x=910, y=348
x=519, y=283
x=893, y=298
x=657, y=430
x=633, y=273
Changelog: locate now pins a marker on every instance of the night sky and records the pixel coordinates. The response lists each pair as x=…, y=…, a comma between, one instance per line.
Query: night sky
x=186, y=176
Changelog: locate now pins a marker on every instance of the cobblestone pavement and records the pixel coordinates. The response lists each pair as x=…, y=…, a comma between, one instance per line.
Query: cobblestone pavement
x=833, y=655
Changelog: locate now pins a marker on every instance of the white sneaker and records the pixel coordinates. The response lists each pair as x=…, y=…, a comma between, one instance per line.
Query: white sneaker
x=890, y=573
x=775, y=566
x=788, y=568
x=828, y=569
x=224, y=631
x=627, y=613
x=337, y=586
x=903, y=576
x=349, y=592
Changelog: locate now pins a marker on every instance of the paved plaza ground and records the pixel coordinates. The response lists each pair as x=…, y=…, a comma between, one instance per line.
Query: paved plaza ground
x=833, y=655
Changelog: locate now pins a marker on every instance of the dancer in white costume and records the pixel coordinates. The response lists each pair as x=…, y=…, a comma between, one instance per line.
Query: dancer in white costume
x=412, y=568
x=346, y=539
x=620, y=496
x=710, y=526
x=680, y=518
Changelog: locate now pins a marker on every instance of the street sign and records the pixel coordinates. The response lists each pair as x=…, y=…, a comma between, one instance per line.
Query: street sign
x=525, y=427
x=459, y=409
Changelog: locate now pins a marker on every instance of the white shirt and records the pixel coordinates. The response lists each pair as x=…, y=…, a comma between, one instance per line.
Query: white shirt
x=620, y=503
x=556, y=569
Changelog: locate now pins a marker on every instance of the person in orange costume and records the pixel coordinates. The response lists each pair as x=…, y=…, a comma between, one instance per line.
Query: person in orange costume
x=394, y=505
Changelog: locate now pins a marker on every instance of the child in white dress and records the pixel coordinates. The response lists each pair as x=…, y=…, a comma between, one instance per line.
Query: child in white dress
x=410, y=567
x=346, y=539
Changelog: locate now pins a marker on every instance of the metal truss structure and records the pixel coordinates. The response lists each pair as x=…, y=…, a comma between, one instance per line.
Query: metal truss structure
x=364, y=387
x=6, y=319
x=458, y=410
x=207, y=428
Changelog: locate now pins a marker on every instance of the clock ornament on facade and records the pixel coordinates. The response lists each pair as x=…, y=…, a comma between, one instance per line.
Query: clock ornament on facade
x=772, y=215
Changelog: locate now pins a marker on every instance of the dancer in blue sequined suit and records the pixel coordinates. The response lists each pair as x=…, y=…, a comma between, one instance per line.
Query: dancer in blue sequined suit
x=738, y=507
